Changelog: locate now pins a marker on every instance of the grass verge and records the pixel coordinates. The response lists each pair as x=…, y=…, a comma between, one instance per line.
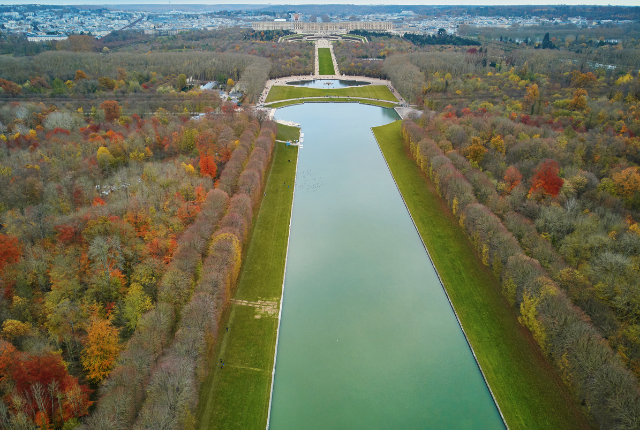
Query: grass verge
x=325, y=63
x=237, y=396
x=287, y=92
x=527, y=388
x=334, y=100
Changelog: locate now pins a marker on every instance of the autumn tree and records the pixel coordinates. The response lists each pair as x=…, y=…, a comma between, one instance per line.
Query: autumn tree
x=512, y=178
x=627, y=182
x=579, y=101
x=111, y=110
x=80, y=75
x=45, y=390
x=208, y=166
x=230, y=83
x=102, y=347
x=497, y=143
x=9, y=87
x=546, y=178
x=10, y=250
x=532, y=94
x=476, y=151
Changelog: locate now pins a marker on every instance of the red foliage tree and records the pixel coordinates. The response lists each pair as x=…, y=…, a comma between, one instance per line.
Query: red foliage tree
x=208, y=166
x=9, y=250
x=43, y=381
x=546, y=178
x=512, y=177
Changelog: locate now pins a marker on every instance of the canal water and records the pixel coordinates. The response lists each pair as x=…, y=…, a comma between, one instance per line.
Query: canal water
x=367, y=337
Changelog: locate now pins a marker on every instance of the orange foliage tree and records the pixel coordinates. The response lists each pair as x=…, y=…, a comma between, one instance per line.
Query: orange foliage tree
x=111, y=110
x=627, y=182
x=512, y=177
x=102, y=347
x=208, y=166
x=546, y=178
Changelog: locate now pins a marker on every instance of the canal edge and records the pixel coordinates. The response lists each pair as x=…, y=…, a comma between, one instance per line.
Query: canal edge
x=284, y=277
x=495, y=402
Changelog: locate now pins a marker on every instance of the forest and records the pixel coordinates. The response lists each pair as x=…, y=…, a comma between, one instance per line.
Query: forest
x=156, y=212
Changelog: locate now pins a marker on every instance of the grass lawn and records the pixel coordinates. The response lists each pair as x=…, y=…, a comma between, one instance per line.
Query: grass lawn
x=237, y=396
x=286, y=92
x=527, y=388
x=325, y=63
x=287, y=132
x=333, y=100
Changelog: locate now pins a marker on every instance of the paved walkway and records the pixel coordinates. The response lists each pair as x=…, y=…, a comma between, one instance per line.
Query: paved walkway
x=284, y=81
x=328, y=98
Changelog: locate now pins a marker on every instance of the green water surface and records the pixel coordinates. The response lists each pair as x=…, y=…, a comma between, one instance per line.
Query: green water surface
x=367, y=337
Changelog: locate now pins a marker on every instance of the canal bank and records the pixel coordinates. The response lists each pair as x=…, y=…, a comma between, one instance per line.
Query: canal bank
x=530, y=393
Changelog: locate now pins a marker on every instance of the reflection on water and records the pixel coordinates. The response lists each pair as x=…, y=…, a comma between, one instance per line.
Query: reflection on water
x=367, y=337
x=328, y=83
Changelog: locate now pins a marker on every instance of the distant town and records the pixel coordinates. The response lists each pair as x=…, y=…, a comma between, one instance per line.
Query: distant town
x=50, y=23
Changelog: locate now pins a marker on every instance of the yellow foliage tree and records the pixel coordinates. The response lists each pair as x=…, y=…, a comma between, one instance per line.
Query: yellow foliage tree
x=102, y=347
x=476, y=151
x=497, y=143
x=14, y=328
x=136, y=303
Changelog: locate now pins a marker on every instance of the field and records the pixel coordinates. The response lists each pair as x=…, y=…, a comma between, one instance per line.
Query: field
x=529, y=392
x=287, y=92
x=237, y=396
x=325, y=63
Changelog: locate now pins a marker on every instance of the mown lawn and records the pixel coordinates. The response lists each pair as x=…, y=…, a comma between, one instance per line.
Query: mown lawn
x=286, y=92
x=527, y=388
x=334, y=100
x=325, y=64
x=237, y=396
x=287, y=132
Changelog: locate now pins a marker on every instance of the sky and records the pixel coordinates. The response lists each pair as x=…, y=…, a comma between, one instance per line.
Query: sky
x=364, y=2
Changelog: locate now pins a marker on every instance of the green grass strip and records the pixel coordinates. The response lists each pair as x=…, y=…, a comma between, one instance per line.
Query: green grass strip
x=325, y=63
x=334, y=100
x=528, y=390
x=287, y=92
x=237, y=396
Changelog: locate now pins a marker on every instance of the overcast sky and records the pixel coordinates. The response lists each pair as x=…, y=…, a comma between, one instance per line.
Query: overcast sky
x=367, y=2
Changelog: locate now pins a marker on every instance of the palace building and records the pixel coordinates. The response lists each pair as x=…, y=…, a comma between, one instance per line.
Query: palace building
x=323, y=27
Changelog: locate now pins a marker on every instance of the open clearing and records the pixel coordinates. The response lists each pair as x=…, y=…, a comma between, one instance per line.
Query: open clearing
x=237, y=396
x=529, y=392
